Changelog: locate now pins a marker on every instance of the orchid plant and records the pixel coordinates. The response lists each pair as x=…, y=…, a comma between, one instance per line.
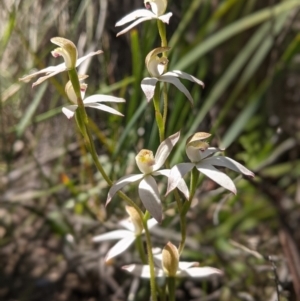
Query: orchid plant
x=169, y=266
x=154, y=10
x=203, y=158
x=93, y=101
x=149, y=166
x=134, y=229
x=69, y=53
x=156, y=66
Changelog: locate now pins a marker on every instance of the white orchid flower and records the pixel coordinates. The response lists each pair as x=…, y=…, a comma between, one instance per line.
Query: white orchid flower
x=155, y=9
x=202, y=159
x=168, y=265
x=149, y=167
x=156, y=66
x=93, y=101
x=126, y=238
x=68, y=51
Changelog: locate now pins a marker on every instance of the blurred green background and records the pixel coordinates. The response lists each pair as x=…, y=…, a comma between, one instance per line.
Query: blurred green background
x=247, y=52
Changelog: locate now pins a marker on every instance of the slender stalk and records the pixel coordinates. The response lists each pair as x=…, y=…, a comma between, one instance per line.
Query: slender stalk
x=171, y=288
x=150, y=257
x=164, y=43
x=140, y=248
x=186, y=206
x=162, y=33
x=158, y=116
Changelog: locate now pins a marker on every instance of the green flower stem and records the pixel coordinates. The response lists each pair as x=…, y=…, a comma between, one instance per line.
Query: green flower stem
x=164, y=43
x=139, y=246
x=158, y=116
x=171, y=288
x=76, y=85
x=185, y=208
x=150, y=258
x=165, y=109
x=162, y=32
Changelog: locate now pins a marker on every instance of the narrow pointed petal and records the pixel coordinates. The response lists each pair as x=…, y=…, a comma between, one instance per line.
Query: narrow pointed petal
x=82, y=59
x=161, y=172
x=119, y=247
x=183, y=265
x=102, y=107
x=103, y=98
x=176, y=82
x=209, y=152
x=127, y=224
x=148, y=86
x=69, y=111
x=177, y=173
x=47, y=70
x=113, y=235
x=43, y=78
x=139, y=13
x=143, y=19
x=142, y=271
x=152, y=222
x=149, y=194
x=187, y=76
x=165, y=18
x=197, y=272
x=216, y=175
x=164, y=150
x=184, y=189
x=120, y=184
x=229, y=163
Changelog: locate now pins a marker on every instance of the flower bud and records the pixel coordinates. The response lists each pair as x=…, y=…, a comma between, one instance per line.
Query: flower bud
x=135, y=219
x=70, y=90
x=194, y=144
x=145, y=161
x=67, y=50
x=170, y=260
x=158, y=7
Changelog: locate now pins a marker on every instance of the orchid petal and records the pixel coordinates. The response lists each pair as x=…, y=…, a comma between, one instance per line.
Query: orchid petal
x=149, y=195
x=183, y=188
x=69, y=111
x=127, y=223
x=216, y=175
x=82, y=59
x=176, y=82
x=139, y=13
x=152, y=222
x=142, y=271
x=161, y=172
x=209, y=152
x=148, y=86
x=118, y=234
x=197, y=272
x=120, y=184
x=103, y=98
x=165, y=18
x=229, y=163
x=43, y=78
x=177, y=173
x=184, y=265
x=47, y=71
x=103, y=108
x=164, y=150
x=119, y=247
x=187, y=76
x=143, y=19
